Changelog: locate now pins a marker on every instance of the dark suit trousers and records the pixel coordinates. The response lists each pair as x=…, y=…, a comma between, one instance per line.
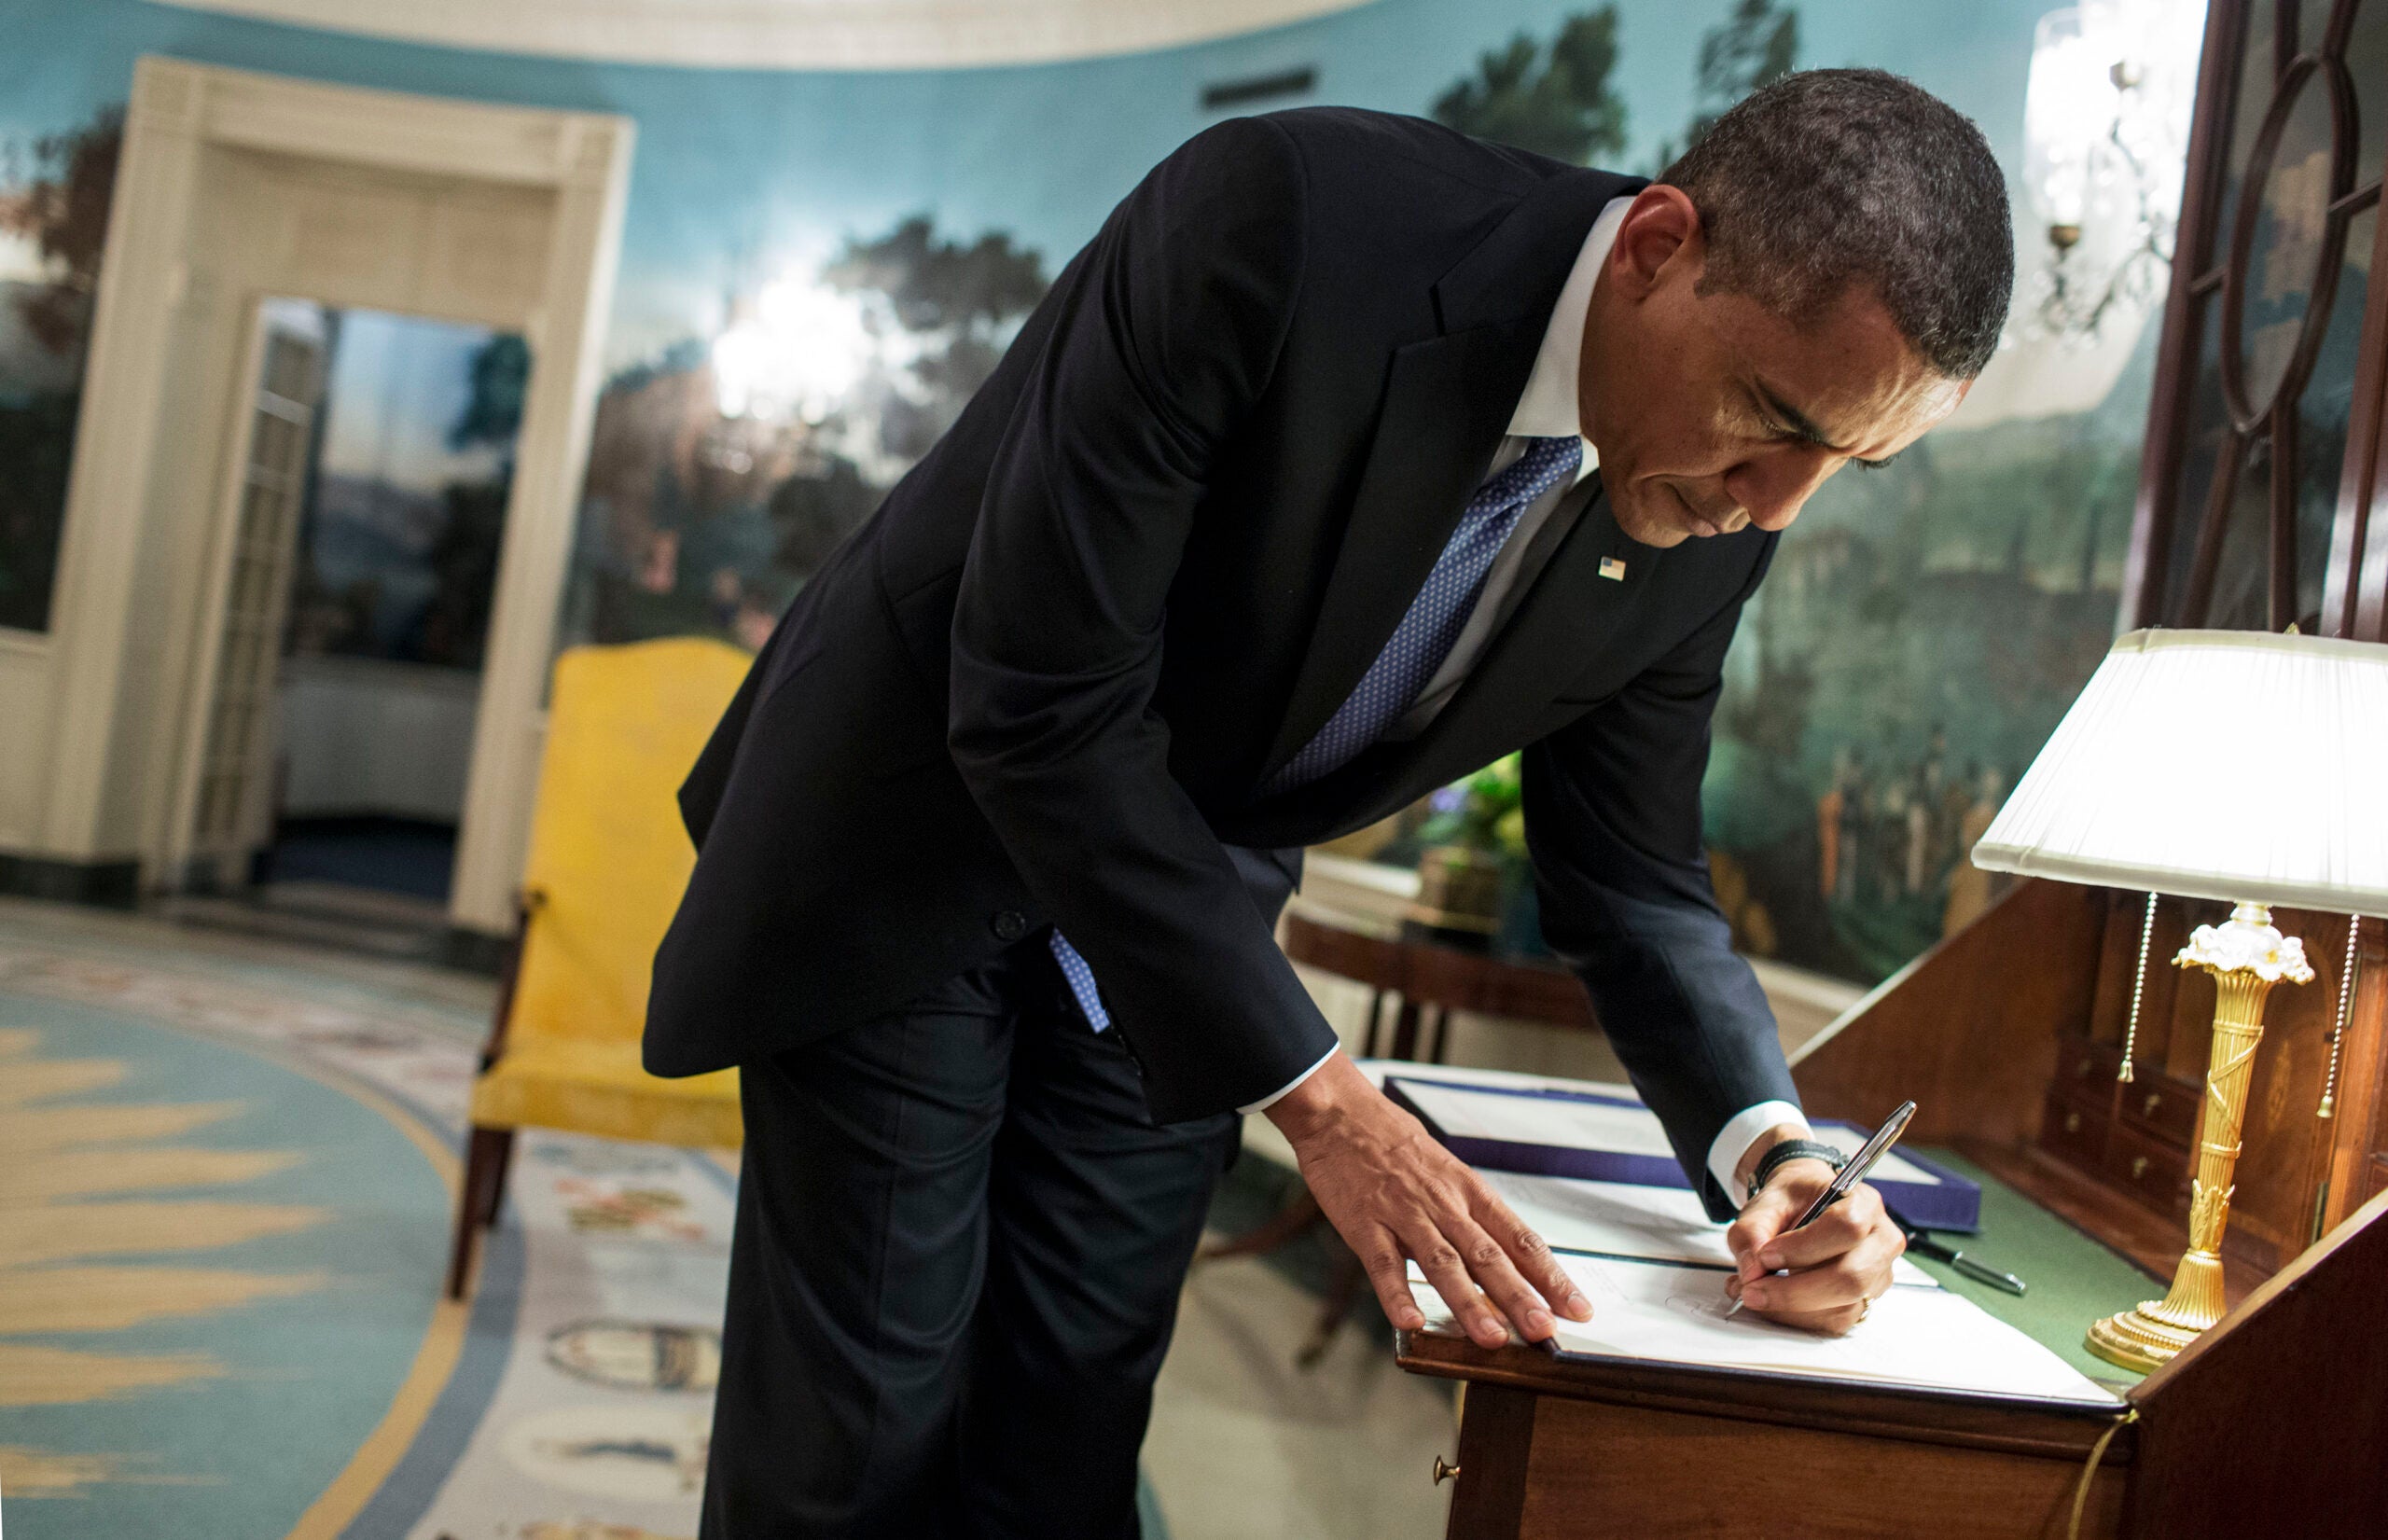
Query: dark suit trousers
x=959, y=1247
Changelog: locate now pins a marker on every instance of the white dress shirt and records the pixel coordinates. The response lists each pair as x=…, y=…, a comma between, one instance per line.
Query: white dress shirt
x=1548, y=410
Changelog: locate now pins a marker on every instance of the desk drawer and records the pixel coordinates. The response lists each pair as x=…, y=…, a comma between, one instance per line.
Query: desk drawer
x=2156, y=1171
x=2086, y=1064
x=2158, y=1104
x=2074, y=1132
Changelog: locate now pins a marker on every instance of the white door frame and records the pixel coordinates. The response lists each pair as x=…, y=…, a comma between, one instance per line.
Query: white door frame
x=104, y=793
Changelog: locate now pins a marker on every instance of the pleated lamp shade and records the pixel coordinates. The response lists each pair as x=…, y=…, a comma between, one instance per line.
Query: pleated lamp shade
x=2215, y=763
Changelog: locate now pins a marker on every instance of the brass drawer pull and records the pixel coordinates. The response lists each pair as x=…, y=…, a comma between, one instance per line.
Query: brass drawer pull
x=1442, y=1472
x=2155, y=1100
x=2081, y=1071
x=2072, y=1122
x=2138, y=1167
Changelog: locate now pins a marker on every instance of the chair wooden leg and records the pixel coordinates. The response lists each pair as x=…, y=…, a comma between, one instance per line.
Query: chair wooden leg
x=1299, y=1214
x=502, y=1164
x=484, y=1169
x=1342, y=1288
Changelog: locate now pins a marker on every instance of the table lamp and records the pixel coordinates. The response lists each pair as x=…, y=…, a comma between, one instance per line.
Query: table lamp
x=2213, y=764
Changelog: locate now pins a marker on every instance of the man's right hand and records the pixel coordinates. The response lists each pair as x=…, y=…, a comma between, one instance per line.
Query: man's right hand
x=1393, y=1193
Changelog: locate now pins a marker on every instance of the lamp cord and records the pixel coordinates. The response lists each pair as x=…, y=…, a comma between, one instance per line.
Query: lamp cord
x=2338, y=1031
x=2090, y=1471
x=2138, y=988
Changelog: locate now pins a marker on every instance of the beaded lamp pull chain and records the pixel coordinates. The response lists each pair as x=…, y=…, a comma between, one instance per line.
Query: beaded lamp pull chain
x=2138, y=988
x=2339, y=1033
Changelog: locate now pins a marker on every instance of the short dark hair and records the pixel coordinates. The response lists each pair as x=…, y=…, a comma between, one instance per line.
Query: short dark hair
x=1831, y=177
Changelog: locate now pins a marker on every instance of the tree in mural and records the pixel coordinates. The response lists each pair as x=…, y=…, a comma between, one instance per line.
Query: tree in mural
x=64, y=211
x=1757, y=44
x=699, y=520
x=814, y=511
x=1552, y=99
x=960, y=302
x=56, y=200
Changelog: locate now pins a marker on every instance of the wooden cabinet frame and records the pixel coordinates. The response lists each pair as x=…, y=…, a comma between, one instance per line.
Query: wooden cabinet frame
x=2211, y=274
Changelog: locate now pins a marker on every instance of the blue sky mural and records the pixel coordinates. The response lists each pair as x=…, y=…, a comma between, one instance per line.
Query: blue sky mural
x=816, y=267
x=740, y=174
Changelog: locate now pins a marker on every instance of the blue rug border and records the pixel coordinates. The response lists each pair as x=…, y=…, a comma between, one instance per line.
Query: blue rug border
x=406, y=1494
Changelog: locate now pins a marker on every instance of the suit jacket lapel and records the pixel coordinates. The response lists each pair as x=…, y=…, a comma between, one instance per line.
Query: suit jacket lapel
x=1445, y=407
x=1448, y=401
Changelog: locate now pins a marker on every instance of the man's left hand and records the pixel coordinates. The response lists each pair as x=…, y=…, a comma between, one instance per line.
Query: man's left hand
x=1838, y=1265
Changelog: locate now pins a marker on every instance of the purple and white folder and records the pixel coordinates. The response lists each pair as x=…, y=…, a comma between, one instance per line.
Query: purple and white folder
x=1543, y=1130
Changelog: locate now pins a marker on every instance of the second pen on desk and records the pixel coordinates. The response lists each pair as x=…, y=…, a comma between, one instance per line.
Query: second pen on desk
x=1921, y=1243
x=1846, y=1178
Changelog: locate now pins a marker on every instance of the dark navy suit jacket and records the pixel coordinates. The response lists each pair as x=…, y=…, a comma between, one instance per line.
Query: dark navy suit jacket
x=1049, y=678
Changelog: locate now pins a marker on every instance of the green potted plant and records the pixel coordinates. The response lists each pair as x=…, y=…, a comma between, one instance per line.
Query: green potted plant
x=1475, y=847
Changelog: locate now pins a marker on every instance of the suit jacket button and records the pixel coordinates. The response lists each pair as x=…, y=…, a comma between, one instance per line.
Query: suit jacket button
x=1010, y=925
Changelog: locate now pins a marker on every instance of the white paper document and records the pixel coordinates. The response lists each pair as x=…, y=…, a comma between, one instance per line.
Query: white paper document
x=1917, y=1336
x=1620, y=1219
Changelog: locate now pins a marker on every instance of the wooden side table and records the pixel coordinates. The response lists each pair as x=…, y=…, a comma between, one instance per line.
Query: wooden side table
x=1428, y=979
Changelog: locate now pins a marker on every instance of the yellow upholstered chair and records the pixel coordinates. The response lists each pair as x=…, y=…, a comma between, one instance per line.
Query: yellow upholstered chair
x=608, y=862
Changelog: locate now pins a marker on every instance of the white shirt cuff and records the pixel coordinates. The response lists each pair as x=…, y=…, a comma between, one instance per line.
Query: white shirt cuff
x=1734, y=1140
x=1270, y=1100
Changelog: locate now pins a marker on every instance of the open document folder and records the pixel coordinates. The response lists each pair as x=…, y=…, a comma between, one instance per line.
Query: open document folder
x=1604, y=1133
x=1925, y=1337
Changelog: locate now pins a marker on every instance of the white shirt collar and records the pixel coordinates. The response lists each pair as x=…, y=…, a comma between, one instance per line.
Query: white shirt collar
x=1547, y=409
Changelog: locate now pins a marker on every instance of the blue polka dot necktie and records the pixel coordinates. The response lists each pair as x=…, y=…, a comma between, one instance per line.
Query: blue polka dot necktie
x=1417, y=648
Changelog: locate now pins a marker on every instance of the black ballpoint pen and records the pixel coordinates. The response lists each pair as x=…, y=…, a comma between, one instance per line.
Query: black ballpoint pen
x=1923, y=1244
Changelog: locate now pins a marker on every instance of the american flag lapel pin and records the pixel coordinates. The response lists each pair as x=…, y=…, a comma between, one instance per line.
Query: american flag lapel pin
x=1612, y=569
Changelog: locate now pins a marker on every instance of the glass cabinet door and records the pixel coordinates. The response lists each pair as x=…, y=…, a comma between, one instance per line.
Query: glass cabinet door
x=2261, y=473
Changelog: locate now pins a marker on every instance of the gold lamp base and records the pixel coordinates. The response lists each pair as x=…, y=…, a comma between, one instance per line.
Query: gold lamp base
x=2246, y=957
x=2146, y=1338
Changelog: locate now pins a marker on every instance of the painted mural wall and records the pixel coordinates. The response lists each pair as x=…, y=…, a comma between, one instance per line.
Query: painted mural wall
x=818, y=268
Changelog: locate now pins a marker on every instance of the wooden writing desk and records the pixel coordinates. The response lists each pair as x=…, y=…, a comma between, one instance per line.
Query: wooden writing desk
x=1556, y=1451
x=2271, y=1427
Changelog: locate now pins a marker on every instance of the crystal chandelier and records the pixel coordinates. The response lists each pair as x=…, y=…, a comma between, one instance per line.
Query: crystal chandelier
x=2105, y=139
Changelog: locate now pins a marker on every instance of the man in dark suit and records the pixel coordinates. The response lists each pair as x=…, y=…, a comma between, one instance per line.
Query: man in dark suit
x=1280, y=512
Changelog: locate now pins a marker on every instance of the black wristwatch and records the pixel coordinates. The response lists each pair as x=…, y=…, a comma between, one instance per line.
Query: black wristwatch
x=1793, y=1149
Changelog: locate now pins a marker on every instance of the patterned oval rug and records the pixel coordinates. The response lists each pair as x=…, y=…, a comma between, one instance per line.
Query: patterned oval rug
x=225, y=1179
x=224, y=1210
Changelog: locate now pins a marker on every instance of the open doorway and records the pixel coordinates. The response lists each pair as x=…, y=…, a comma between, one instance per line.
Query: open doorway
x=375, y=463
x=233, y=185
x=392, y=577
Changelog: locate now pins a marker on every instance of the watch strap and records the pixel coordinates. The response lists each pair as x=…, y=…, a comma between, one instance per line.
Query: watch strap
x=1793, y=1149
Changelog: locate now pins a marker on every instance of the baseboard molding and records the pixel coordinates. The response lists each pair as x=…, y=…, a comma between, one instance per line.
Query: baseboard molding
x=104, y=884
